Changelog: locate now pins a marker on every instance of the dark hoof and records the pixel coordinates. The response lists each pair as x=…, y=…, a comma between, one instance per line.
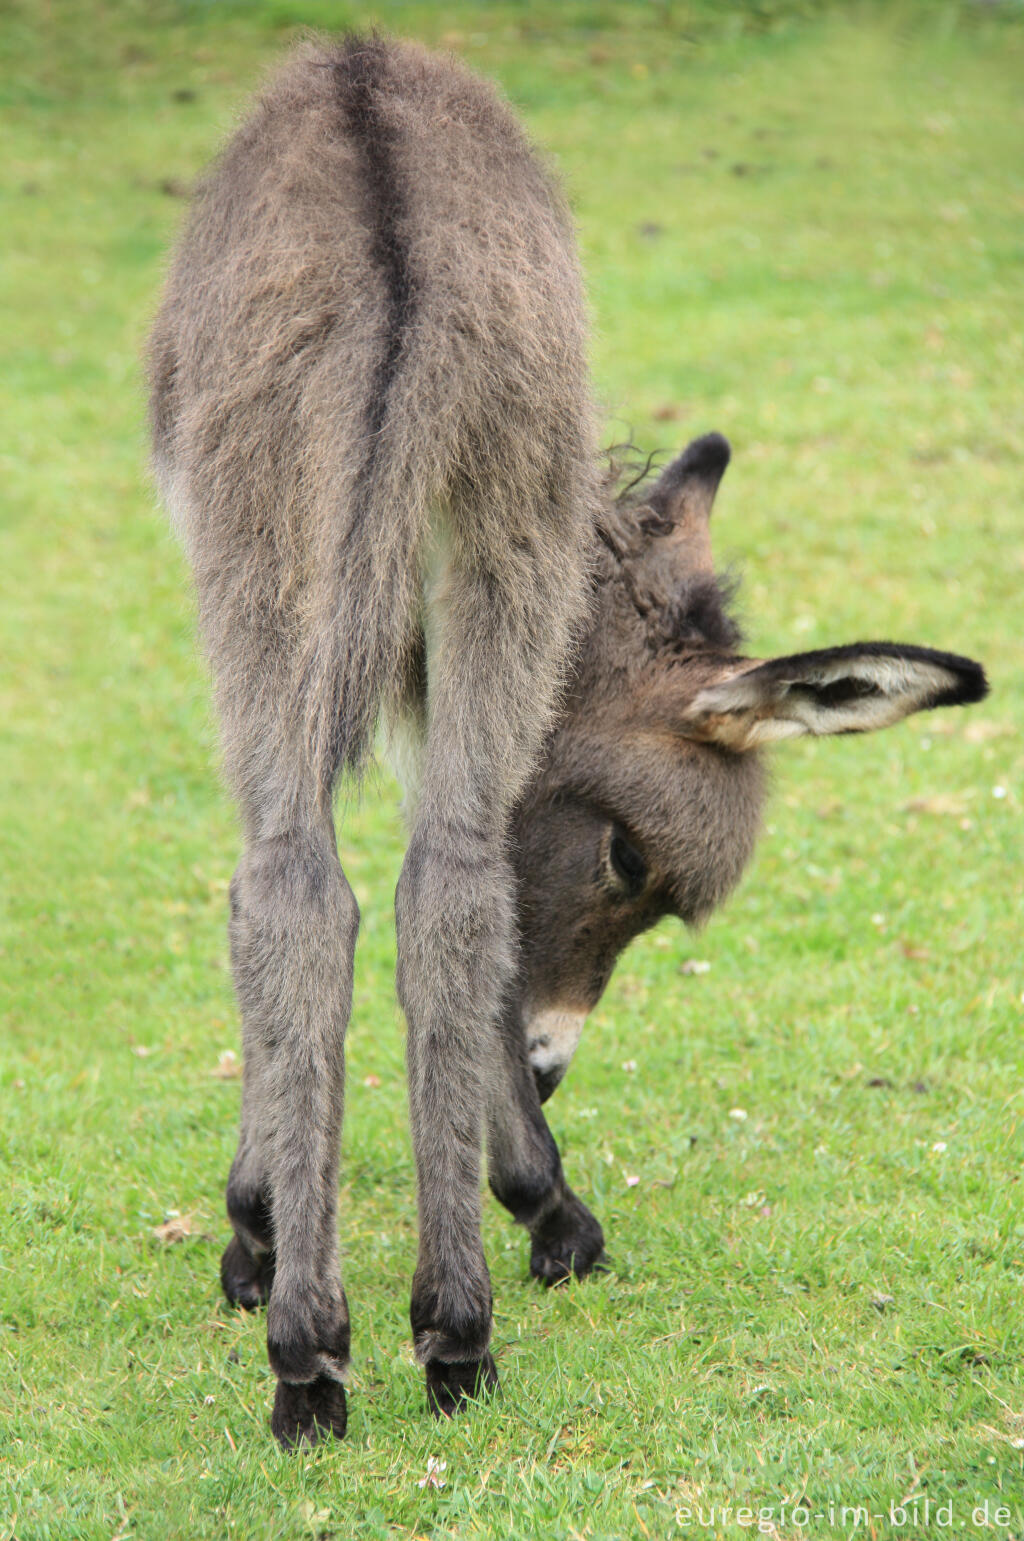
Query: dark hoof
x=451, y=1385
x=306, y=1414
x=245, y=1282
x=556, y=1267
x=568, y=1246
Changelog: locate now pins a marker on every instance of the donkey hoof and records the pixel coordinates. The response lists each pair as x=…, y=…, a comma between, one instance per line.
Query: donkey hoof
x=568, y=1245
x=450, y=1385
x=553, y=1268
x=245, y=1282
x=304, y=1415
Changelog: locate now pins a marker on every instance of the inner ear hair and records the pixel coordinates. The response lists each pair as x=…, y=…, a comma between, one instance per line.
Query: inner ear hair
x=852, y=689
x=862, y=669
x=837, y=692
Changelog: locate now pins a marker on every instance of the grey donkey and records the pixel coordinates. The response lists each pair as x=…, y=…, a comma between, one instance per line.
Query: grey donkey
x=373, y=429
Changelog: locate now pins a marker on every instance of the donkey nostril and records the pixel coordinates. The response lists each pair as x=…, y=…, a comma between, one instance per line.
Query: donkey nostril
x=546, y=1080
x=551, y=1038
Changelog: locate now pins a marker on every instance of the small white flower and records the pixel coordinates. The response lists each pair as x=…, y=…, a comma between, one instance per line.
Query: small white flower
x=739, y=1114
x=632, y=1182
x=939, y=1147
x=998, y=791
x=435, y=1473
x=228, y=1066
x=629, y=1064
x=695, y=966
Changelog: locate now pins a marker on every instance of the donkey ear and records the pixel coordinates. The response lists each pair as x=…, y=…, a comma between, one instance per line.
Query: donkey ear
x=851, y=689
x=680, y=500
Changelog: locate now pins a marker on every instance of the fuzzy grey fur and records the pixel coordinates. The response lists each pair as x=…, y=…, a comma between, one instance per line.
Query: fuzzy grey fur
x=372, y=426
x=374, y=321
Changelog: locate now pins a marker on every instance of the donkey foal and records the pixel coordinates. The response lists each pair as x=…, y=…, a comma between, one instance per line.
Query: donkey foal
x=372, y=426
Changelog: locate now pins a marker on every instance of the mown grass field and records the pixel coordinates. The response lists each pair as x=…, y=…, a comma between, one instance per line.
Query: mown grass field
x=803, y=229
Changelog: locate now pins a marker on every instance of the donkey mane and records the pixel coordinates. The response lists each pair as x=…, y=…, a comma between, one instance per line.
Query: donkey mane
x=699, y=611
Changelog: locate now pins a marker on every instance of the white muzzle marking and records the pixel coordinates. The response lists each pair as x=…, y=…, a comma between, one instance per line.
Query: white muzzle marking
x=551, y=1039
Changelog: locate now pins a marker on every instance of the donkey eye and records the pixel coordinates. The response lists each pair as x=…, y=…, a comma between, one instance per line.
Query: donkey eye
x=627, y=863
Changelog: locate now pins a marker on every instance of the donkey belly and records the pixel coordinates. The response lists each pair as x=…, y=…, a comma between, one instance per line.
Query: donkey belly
x=408, y=724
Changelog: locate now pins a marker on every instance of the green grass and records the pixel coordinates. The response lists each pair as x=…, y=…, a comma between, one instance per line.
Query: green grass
x=803, y=229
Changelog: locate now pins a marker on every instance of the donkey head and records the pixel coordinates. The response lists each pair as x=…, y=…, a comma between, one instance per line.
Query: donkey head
x=648, y=799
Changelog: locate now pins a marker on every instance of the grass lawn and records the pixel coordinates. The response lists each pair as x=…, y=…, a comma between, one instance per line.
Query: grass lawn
x=805, y=229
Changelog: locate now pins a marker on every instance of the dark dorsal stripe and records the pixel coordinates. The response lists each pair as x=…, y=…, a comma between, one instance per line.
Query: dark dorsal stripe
x=361, y=73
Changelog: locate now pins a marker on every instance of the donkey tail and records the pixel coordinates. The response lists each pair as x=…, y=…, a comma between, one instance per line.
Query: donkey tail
x=367, y=625
x=364, y=643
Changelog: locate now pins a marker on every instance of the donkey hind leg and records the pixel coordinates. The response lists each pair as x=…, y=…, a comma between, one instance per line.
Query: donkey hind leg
x=500, y=637
x=525, y=1169
x=293, y=930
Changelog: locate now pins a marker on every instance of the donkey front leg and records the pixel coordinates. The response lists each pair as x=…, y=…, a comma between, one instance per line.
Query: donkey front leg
x=293, y=931
x=247, y=1267
x=526, y=1170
